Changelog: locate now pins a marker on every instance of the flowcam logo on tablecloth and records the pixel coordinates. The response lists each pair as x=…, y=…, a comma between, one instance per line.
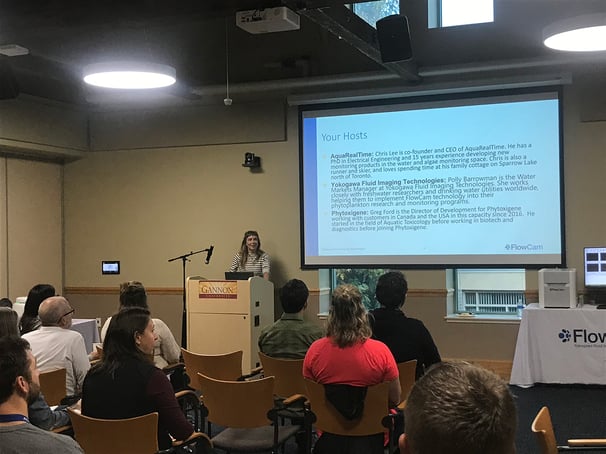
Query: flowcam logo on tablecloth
x=583, y=338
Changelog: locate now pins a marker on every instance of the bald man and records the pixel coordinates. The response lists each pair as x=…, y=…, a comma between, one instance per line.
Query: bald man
x=56, y=346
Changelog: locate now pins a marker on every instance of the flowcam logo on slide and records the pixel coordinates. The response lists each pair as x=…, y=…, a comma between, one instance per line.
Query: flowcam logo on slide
x=582, y=337
x=523, y=247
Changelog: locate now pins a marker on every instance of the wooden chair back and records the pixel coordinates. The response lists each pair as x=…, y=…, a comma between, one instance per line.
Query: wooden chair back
x=407, y=371
x=328, y=418
x=287, y=373
x=543, y=429
x=52, y=385
x=116, y=436
x=237, y=404
x=227, y=366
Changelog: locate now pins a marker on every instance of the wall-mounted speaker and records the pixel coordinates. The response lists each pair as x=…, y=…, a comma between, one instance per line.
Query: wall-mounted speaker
x=394, y=38
x=9, y=89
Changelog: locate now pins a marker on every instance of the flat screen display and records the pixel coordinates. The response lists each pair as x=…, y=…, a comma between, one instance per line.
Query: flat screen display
x=434, y=182
x=594, y=263
x=110, y=267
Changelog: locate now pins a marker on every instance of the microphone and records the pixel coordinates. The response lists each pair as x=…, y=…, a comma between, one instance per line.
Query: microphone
x=209, y=254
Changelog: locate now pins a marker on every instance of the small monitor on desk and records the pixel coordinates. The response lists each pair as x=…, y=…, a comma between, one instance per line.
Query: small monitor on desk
x=594, y=261
x=594, y=266
x=238, y=275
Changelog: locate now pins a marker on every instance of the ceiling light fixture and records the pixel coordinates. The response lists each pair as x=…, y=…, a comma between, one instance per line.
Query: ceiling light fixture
x=585, y=33
x=129, y=75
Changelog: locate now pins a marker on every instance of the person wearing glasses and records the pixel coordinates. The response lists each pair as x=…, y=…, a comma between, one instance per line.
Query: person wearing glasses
x=56, y=346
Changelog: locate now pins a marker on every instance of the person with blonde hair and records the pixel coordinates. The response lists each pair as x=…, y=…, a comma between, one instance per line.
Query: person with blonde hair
x=348, y=356
x=251, y=257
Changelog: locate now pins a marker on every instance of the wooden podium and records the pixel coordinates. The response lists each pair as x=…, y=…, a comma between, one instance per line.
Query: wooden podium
x=225, y=316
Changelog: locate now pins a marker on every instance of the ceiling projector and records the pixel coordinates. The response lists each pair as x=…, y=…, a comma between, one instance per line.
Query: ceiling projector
x=268, y=20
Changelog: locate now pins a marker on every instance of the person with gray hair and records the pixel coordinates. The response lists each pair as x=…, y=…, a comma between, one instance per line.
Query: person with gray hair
x=56, y=346
x=459, y=408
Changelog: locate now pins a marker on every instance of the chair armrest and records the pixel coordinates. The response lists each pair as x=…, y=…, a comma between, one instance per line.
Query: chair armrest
x=62, y=429
x=171, y=367
x=294, y=398
x=186, y=393
x=587, y=442
x=198, y=438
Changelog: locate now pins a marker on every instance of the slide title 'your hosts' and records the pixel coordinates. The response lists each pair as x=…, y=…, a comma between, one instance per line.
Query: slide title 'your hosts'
x=344, y=136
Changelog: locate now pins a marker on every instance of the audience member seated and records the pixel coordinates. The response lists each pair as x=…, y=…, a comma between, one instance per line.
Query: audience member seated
x=407, y=338
x=347, y=356
x=20, y=385
x=30, y=320
x=290, y=336
x=40, y=414
x=166, y=349
x=458, y=408
x=5, y=302
x=55, y=346
x=125, y=383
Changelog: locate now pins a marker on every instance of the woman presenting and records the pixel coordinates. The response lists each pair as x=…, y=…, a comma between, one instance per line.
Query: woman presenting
x=251, y=257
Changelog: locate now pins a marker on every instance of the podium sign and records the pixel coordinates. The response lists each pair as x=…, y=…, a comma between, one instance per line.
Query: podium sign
x=225, y=316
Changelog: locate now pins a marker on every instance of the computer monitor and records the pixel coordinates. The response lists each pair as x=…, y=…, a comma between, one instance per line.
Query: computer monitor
x=594, y=270
x=238, y=275
x=594, y=264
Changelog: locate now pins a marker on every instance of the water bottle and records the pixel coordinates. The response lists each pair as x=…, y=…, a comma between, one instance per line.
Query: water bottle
x=520, y=308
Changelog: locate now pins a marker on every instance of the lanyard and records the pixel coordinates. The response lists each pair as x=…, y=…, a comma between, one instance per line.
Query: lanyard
x=13, y=418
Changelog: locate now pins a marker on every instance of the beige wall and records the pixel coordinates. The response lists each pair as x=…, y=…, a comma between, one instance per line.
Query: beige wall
x=31, y=226
x=142, y=204
x=31, y=126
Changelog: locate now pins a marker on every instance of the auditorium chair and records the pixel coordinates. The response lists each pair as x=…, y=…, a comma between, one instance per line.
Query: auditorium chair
x=407, y=371
x=246, y=410
x=543, y=429
x=52, y=385
x=375, y=418
x=227, y=366
x=125, y=436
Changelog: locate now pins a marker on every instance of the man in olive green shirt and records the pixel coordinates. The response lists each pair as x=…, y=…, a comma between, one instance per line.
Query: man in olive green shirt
x=290, y=336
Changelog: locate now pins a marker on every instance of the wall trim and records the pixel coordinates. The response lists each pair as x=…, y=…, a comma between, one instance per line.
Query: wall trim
x=116, y=290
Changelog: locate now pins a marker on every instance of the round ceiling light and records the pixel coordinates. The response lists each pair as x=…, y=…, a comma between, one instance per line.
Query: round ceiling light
x=578, y=34
x=129, y=75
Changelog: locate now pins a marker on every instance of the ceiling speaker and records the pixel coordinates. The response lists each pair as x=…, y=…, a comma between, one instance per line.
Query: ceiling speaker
x=394, y=38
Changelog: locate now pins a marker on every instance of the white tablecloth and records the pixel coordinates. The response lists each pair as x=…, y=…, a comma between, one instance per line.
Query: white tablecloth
x=560, y=346
x=89, y=330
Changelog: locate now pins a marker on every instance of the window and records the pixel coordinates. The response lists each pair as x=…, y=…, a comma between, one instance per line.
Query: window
x=364, y=279
x=478, y=291
x=371, y=12
x=489, y=291
x=448, y=13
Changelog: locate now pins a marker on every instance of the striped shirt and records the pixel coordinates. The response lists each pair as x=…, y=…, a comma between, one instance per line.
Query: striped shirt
x=256, y=264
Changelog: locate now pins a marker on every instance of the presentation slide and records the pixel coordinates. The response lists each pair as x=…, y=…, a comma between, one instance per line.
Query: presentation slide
x=473, y=181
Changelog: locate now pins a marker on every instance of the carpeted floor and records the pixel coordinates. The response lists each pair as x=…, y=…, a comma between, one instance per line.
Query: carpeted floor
x=577, y=411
